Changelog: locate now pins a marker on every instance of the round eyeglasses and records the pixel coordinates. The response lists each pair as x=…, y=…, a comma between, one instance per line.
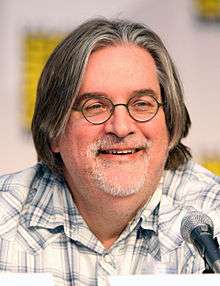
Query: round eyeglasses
x=98, y=109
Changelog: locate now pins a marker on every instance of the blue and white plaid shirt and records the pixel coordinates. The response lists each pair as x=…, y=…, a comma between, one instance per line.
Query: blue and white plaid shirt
x=41, y=229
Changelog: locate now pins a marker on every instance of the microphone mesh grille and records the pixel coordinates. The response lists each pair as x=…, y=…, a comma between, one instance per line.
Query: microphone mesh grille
x=193, y=220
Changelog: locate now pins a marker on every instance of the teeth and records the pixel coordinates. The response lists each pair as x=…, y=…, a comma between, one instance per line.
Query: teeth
x=121, y=152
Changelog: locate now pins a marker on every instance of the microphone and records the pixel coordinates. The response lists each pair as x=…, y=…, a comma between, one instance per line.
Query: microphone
x=197, y=228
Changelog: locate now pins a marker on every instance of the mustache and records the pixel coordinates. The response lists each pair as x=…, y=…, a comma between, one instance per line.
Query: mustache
x=112, y=141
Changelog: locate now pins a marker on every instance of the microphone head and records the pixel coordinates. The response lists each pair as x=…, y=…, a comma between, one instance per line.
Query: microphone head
x=191, y=221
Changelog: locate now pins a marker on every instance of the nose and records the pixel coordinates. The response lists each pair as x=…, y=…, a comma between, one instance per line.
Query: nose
x=120, y=123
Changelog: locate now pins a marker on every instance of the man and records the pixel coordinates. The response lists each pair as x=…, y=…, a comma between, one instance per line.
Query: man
x=114, y=180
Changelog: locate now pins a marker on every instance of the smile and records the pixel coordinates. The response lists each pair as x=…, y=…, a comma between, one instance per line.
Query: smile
x=120, y=152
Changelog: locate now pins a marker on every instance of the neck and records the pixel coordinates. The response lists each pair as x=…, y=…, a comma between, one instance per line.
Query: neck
x=108, y=216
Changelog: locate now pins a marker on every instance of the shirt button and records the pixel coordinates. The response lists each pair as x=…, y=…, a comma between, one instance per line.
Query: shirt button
x=107, y=259
x=122, y=249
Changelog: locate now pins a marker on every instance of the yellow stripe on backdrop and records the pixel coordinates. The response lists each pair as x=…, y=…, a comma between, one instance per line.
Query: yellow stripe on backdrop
x=212, y=163
x=37, y=47
x=208, y=10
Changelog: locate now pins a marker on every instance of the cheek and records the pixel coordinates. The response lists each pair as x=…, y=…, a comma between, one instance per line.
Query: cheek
x=161, y=135
x=158, y=127
x=76, y=141
x=157, y=133
x=72, y=144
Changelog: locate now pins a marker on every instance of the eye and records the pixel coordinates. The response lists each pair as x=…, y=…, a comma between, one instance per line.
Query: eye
x=93, y=107
x=142, y=104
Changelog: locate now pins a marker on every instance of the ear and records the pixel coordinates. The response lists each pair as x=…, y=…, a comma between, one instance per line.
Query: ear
x=55, y=146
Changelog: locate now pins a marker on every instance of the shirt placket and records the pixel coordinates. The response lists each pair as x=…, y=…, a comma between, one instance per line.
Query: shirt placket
x=106, y=266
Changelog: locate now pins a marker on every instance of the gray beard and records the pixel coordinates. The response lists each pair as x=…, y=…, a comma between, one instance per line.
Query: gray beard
x=116, y=189
x=98, y=171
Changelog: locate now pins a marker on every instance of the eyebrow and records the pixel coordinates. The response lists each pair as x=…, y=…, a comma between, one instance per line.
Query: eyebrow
x=82, y=97
x=146, y=91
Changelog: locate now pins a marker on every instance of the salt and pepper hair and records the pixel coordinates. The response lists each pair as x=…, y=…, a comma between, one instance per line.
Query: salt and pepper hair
x=61, y=79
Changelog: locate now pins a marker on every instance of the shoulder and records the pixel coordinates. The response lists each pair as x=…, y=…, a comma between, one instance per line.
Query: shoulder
x=17, y=184
x=191, y=181
x=18, y=178
x=14, y=190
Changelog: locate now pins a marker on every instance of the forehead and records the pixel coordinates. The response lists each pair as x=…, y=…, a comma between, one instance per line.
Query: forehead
x=119, y=69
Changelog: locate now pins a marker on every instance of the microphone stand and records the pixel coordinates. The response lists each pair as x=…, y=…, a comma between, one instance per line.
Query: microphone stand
x=212, y=266
x=208, y=269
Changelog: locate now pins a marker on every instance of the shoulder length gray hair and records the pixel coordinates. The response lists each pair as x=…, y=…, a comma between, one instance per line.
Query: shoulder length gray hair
x=62, y=75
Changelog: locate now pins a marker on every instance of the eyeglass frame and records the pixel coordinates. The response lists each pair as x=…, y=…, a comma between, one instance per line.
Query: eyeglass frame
x=80, y=109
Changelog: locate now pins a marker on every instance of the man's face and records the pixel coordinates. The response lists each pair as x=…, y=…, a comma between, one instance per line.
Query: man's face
x=120, y=157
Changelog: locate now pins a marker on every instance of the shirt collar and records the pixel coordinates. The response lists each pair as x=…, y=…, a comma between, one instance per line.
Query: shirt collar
x=163, y=215
x=149, y=214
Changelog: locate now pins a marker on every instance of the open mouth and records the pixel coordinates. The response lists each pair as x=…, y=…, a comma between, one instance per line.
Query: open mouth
x=120, y=152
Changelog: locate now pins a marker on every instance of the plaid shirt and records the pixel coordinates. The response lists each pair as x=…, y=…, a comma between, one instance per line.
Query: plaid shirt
x=41, y=229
